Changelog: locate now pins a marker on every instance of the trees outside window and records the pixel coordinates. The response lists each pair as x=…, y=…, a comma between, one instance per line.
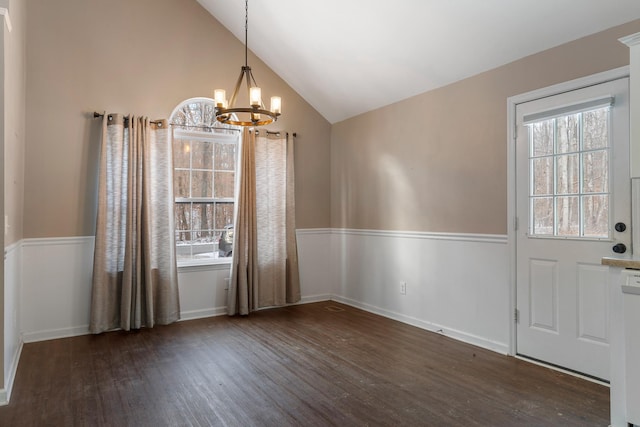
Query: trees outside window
x=204, y=160
x=569, y=166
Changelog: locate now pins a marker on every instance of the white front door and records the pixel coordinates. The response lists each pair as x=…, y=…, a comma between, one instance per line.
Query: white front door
x=572, y=195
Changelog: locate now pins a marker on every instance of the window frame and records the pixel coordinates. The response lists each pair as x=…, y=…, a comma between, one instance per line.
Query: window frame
x=580, y=194
x=214, y=133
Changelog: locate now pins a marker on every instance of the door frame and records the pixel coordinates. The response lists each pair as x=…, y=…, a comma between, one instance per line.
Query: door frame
x=512, y=103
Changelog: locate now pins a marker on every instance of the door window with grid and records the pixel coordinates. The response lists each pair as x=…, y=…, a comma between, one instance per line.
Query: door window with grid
x=205, y=160
x=569, y=161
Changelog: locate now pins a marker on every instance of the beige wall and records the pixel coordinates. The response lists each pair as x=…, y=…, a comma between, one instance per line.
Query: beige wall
x=435, y=162
x=438, y=161
x=141, y=57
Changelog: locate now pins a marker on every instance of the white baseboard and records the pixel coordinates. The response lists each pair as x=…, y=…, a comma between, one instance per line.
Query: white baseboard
x=5, y=393
x=314, y=298
x=501, y=348
x=201, y=314
x=53, y=334
x=221, y=311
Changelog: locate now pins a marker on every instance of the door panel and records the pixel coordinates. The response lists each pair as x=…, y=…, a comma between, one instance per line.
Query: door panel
x=572, y=186
x=593, y=303
x=543, y=289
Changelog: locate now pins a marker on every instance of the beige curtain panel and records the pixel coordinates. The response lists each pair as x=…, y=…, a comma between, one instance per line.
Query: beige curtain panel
x=135, y=281
x=265, y=258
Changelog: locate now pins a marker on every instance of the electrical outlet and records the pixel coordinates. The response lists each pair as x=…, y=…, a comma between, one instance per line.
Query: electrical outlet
x=403, y=288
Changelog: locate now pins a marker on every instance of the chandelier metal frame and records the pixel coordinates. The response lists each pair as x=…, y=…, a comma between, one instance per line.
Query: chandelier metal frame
x=256, y=114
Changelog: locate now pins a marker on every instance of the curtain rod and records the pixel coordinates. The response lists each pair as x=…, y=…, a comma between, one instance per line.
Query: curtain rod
x=96, y=115
x=277, y=132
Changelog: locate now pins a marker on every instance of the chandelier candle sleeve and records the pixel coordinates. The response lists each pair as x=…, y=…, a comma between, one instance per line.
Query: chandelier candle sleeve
x=220, y=96
x=276, y=104
x=255, y=96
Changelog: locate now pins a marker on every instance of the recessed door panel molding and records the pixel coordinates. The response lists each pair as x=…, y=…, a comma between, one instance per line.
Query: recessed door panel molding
x=593, y=303
x=543, y=288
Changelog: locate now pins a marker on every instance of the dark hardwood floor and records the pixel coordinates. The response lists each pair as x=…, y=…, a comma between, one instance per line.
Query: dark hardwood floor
x=309, y=365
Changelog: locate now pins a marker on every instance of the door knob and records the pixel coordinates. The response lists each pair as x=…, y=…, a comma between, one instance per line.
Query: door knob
x=619, y=248
x=620, y=227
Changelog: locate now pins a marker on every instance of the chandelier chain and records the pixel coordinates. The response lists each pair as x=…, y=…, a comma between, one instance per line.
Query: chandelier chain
x=246, y=32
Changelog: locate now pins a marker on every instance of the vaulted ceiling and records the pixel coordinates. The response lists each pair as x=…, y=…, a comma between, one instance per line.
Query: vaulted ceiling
x=347, y=57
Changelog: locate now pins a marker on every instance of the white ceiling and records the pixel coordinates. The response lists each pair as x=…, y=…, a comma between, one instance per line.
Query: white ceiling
x=346, y=57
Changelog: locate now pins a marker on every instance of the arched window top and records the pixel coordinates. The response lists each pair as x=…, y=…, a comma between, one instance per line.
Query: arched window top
x=197, y=114
x=205, y=154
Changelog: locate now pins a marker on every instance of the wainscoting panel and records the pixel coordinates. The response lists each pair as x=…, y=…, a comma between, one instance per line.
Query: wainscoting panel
x=593, y=303
x=455, y=284
x=56, y=283
x=314, y=251
x=203, y=290
x=12, y=339
x=56, y=287
x=543, y=294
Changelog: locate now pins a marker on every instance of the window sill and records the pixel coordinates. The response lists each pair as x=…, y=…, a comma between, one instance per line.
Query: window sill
x=205, y=264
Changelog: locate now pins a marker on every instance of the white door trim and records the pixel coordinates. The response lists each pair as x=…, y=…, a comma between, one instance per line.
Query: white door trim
x=512, y=103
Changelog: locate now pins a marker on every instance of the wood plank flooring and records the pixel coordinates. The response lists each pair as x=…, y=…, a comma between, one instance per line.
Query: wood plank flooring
x=319, y=364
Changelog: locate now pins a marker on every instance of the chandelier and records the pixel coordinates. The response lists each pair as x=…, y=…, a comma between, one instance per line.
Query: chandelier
x=255, y=114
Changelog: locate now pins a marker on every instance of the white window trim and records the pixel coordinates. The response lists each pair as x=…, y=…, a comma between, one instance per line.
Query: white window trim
x=580, y=108
x=185, y=264
x=221, y=135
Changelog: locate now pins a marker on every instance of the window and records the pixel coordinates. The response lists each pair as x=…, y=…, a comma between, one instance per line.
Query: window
x=569, y=167
x=204, y=160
